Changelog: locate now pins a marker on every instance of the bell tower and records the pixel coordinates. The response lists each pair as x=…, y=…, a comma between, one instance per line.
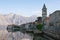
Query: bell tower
x=44, y=13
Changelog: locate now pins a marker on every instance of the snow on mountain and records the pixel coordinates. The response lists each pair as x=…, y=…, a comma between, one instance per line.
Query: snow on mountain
x=15, y=19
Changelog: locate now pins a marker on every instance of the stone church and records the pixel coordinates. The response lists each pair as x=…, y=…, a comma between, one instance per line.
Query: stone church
x=45, y=19
x=52, y=23
x=55, y=21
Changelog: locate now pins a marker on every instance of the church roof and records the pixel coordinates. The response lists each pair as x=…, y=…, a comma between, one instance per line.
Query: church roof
x=47, y=18
x=44, y=6
x=57, y=11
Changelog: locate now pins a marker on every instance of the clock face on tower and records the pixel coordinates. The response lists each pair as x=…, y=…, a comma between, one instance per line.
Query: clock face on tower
x=44, y=10
x=44, y=13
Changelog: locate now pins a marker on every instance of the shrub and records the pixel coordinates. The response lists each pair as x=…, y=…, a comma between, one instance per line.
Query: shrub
x=39, y=26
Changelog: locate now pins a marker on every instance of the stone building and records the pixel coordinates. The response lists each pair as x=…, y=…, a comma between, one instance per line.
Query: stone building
x=55, y=18
x=44, y=13
x=51, y=23
x=55, y=21
x=45, y=19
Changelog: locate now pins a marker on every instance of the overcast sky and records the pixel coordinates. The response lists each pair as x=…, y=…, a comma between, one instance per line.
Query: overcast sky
x=28, y=7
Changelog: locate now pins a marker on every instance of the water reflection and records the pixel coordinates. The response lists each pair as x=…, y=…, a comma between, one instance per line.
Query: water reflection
x=25, y=39
x=5, y=35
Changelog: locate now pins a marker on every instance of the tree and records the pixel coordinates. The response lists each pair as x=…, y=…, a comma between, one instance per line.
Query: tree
x=39, y=26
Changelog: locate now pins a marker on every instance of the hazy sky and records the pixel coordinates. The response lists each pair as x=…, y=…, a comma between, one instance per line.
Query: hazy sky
x=28, y=7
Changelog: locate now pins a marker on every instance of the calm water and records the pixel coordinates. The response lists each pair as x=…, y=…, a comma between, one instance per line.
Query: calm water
x=5, y=35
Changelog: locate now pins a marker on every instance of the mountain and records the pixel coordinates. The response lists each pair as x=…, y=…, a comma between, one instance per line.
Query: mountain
x=15, y=19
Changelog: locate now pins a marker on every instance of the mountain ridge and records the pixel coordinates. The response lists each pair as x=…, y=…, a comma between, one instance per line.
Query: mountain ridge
x=15, y=19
